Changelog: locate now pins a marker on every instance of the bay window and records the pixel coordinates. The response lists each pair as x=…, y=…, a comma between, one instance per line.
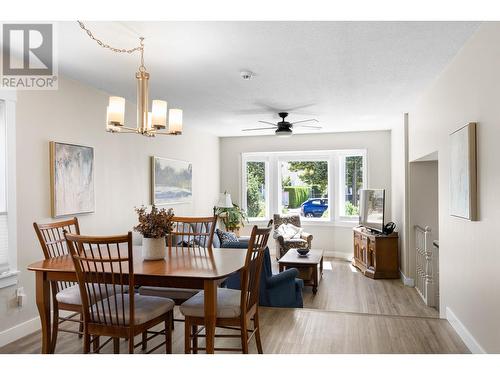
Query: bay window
x=320, y=186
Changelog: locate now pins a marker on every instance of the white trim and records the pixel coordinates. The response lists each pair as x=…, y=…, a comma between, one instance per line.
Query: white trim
x=464, y=333
x=15, y=333
x=26, y=328
x=407, y=281
x=8, y=279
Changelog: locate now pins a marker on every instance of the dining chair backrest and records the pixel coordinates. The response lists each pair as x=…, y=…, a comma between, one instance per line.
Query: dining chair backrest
x=192, y=232
x=250, y=275
x=53, y=243
x=105, y=271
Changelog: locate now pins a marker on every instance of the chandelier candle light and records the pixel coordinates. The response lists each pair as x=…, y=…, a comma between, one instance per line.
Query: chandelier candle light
x=148, y=123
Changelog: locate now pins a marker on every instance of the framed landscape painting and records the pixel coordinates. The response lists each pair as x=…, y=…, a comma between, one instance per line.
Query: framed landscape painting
x=463, y=180
x=71, y=179
x=172, y=181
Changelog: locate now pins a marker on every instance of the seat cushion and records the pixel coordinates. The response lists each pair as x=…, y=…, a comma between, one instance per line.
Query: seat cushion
x=228, y=304
x=172, y=293
x=71, y=295
x=146, y=308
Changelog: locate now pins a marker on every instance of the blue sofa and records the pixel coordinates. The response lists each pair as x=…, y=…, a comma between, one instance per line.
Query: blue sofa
x=281, y=290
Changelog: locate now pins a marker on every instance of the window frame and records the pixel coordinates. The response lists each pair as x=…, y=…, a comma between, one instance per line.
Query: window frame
x=267, y=197
x=336, y=177
x=8, y=99
x=341, y=197
x=309, y=156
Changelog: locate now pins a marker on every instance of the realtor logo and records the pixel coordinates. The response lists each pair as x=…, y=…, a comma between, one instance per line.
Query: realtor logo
x=28, y=57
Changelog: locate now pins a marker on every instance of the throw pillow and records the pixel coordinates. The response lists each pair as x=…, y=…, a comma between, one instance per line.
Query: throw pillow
x=288, y=231
x=226, y=237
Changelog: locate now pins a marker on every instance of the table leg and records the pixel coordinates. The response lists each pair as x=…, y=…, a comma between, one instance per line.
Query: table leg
x=210, y=290
x=43, y=304
x=321, y=267
x=315, y=280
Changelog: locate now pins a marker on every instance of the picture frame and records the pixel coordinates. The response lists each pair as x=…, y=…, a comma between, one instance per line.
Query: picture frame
x=72, y=181
x=463, y=172
x=171, y=181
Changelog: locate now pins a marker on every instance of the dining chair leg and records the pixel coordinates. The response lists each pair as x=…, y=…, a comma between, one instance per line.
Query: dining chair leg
x=256, y=328
x=195, y=339
x=144, y=345
x=116, y=345
x=172, y=321
x=244, y=336
x=187, y=336
x=55, y=328
x=168, y=334
x=131, y=344
x=86, y=343
x=80, y=327
x=95, y=344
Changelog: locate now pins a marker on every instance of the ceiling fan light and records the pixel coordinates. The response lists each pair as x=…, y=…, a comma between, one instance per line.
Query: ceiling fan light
x=159, y=114
x=175, y=121
x=284, y=133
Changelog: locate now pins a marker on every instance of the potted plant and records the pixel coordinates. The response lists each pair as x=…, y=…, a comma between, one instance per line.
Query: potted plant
x=154, y=227
x=233, y=218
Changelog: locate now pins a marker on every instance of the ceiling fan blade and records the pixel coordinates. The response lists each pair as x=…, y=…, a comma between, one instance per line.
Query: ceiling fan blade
x=249, y=130
x=298, y=122
x=309, y=126
x=269, y=123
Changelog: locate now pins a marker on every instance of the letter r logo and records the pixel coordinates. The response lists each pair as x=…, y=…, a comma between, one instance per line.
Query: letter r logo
x=27, y=49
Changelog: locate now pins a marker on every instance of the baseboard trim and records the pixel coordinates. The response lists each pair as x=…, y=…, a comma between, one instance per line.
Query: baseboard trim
x=464, y=333
x=407, y=281
x=26, y=328
x=15, y=333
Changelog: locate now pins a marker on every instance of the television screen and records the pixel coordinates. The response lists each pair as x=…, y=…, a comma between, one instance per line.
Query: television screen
x=371, y=208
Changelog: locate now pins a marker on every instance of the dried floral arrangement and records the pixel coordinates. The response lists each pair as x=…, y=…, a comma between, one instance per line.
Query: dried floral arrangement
x=155, y=224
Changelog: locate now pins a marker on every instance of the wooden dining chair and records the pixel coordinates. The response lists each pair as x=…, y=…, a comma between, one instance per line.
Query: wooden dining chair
x=235, y=309
x=193, y=234
x=65, y=295
x=105, y=273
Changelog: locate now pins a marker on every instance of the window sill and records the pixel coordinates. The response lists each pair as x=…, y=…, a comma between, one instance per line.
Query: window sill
x=313, y=223
x=8, y=279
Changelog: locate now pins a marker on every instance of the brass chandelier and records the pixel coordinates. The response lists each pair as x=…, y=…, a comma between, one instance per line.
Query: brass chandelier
x=148, y=123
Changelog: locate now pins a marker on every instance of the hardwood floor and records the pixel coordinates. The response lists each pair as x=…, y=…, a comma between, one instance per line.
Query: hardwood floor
x=349, y=314
x=344, y=288
x=290, y=331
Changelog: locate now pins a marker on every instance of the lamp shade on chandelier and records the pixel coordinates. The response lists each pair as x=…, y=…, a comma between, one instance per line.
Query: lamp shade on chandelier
x=149, y=123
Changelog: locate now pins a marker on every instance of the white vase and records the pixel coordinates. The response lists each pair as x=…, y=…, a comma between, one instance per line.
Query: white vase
x=153, y=248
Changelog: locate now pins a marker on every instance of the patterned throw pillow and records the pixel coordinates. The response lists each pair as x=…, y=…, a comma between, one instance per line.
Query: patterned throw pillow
x=226, y=237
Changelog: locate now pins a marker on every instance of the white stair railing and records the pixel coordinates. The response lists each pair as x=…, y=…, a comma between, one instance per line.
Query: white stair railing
x=426, y=266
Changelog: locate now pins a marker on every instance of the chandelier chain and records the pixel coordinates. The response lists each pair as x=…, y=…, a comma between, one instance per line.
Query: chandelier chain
x=114, y=49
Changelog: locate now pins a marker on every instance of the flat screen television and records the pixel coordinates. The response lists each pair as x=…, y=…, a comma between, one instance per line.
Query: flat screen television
x=371, y=209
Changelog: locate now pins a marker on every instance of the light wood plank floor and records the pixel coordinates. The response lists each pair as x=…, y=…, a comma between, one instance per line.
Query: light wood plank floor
x=344, y=288
x=289, y=331
x=349, y=314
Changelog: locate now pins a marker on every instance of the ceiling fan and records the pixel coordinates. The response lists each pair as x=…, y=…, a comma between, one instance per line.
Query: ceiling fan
x=284, y=128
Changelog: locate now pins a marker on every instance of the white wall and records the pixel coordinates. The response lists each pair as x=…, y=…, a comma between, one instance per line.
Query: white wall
x=76, y=113
x=424, y=204
x=336, y=240
x=468, y=90
x=399, y=174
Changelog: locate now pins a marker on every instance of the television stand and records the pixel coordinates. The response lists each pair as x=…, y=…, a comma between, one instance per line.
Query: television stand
x=376, y=254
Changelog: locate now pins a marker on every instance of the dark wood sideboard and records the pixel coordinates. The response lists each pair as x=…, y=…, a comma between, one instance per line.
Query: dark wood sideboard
x=376, y=255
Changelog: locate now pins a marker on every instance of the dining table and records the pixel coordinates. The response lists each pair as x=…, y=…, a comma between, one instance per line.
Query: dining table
x=193, y=268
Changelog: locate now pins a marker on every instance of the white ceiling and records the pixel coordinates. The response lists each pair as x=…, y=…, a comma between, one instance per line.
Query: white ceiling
x=353, y=75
